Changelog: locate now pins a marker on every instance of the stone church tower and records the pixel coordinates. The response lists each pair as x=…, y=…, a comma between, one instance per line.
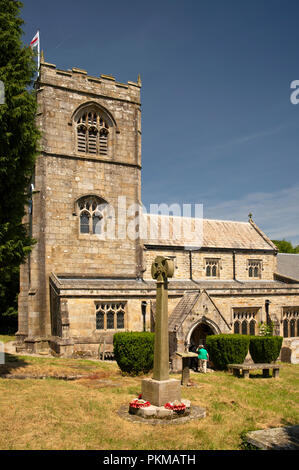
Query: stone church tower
x=90, y=156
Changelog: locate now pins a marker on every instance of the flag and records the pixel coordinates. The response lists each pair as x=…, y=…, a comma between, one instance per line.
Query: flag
x=36, y=43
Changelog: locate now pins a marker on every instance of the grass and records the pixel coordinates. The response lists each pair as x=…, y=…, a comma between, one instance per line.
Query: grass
x=6, y=338
x=82, y=414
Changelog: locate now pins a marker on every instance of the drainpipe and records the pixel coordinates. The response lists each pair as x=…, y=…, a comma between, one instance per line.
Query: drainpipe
x=143, y=311
x=234, y=265
x=190, y=264
x=267, y=303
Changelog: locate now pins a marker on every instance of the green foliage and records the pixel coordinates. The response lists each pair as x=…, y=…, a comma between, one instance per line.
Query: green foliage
x=18, y=147
x=134, y=351
x=265, y=348
x=266, y=330
x=227, y=349
x=285, y=246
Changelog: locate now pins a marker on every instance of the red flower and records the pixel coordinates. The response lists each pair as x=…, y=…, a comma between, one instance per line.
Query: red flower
x=138, y=403
x=175, y=406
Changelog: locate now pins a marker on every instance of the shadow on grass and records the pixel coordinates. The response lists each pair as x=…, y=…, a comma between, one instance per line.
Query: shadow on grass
x=12, y=362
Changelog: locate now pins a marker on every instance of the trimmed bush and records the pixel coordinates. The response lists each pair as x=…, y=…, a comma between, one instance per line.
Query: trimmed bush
x=134, y=352
x=227, y=349
x=265, y=348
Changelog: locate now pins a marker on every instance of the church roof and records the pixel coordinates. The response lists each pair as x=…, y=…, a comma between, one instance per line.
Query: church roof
x=288, y=265
x=205, y=233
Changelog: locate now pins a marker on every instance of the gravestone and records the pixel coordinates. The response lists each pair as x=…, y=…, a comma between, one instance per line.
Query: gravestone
x=161, y=389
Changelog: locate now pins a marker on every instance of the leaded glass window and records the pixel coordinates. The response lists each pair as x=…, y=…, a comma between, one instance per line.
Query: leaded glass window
x=110, y=316
x=91, y=214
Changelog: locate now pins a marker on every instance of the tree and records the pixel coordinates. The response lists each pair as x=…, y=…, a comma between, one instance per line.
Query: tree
x=18, y=148
x=285, y=246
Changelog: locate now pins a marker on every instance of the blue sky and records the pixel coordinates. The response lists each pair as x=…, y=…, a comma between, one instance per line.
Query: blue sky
x=218, y=126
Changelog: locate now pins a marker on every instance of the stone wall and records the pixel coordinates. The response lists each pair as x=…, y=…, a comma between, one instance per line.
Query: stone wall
x=182, y=263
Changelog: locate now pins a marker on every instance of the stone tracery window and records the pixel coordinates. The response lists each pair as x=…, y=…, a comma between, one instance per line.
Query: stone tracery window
x=110, y=316
x=290, y=321
x=254, y=268
x=245, y=321
x=212, y=267
x=91, y=214
x=92, y=132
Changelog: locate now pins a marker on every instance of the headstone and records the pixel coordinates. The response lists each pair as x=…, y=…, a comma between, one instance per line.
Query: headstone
x=160, y=389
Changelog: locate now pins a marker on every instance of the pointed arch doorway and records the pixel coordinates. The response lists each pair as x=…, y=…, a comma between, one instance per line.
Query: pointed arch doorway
x=199, y=334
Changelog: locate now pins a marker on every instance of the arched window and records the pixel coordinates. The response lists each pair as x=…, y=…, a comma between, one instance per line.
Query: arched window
x=84, y=221
x=110, y=316
x=252, y=328
x=244, y=327
x=292, y=327
x=110, y=320
x=92, y=128
x=91, y=214
x=285, y=328
x=237, y=327
x=100, y=315
x=120, y=319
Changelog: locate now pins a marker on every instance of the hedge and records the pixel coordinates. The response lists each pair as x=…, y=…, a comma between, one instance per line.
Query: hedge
x=134, y=352
x=265, y=348
x=226, y=349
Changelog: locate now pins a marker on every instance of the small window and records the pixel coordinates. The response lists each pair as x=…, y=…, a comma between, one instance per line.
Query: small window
x=110, y=320
x=252, y=328
x=91, y=214
x=254, y=269
x=84, y=222
x=212, y=267
x=244, y=327
x=120, y=320
x=290, y=321
x=110, y=316
x=100, y=320
x=244, y=320
x=237, y=327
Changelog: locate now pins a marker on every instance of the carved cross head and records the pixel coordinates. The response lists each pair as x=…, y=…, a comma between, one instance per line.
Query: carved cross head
x=162, y=268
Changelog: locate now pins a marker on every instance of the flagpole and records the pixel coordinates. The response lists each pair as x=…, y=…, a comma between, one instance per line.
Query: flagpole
x=38, y=54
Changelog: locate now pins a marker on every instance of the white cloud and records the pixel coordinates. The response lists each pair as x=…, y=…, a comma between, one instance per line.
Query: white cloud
x=277, y=213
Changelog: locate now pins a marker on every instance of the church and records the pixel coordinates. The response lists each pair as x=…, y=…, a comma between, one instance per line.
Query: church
x=86, y=279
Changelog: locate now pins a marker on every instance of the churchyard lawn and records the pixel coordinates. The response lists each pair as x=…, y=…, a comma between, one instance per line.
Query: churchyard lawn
x=82, y=413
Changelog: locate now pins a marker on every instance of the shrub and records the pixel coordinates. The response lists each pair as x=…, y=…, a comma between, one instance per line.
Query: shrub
x=227, y=349
x=265, y=348
x=134, y=352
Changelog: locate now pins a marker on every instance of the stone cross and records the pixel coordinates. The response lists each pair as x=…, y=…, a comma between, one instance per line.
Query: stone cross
x=162, y=269
x=160, y=389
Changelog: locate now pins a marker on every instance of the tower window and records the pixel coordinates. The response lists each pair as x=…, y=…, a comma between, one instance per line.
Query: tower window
x=92, y=133
x=91, y=214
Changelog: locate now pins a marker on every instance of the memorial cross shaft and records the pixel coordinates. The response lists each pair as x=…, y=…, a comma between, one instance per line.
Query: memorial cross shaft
x=162, y=269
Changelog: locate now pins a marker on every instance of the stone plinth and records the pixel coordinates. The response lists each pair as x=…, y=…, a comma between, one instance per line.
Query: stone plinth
x=159, y=392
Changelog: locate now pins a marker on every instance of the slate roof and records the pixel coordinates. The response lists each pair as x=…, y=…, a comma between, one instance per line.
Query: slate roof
x=208, y=234
x=288, y=265
x=182, y=309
